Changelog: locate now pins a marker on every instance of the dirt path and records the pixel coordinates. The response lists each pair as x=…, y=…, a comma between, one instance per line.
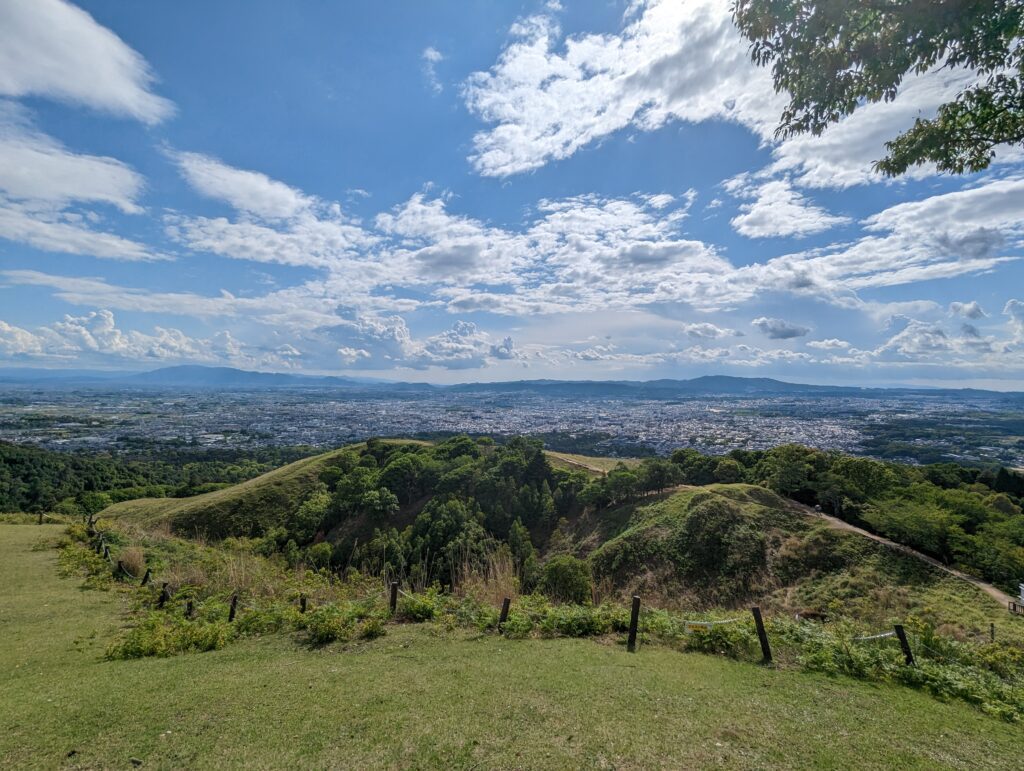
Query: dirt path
x=837, y=524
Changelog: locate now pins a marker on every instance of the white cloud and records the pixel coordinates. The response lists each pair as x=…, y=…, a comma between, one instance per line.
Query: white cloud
x=95, y=335
x=431, y=58
x=42, y=184
x=1015, y=310
x=35, y=167
x=54, y=49
x=779, y=210
x=707, y=331
x=16, y=342
x=779, y=329
x=62, y=232
x=247, y=191
x=969, y=310
x=549, y=97
x=829, y=344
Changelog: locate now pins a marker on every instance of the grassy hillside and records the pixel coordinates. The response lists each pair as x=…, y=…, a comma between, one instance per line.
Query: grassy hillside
x=724, y=544
x=261, y=503
x=424, y=697
x=251, y=506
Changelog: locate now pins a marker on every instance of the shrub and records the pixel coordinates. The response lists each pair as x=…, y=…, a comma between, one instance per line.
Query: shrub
x=518, y=626
x=417, y=607
x=159, y=634
x=327, y=624
x=567, y=579
x=252, y=622
x=371, y=628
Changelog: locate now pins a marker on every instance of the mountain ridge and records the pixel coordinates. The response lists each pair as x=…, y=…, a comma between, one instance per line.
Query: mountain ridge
x=228, y=378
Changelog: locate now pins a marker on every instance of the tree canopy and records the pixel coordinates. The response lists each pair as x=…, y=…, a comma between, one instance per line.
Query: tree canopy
x=833, y=56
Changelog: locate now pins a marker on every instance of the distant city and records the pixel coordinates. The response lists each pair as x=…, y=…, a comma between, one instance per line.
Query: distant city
x=624, y=419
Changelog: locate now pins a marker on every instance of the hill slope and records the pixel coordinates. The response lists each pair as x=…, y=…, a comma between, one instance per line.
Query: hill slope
x=423, y=697
x=251, y=507
x=263, y=502
x=708, y=546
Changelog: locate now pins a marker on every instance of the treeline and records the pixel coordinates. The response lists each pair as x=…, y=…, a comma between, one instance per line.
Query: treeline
x=33, y=479
x=961, y=515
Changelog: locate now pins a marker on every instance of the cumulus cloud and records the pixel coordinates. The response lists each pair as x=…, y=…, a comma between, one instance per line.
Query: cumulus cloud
x=779, y=210
x=707, y=331
x=829, y=344
x=969, y=310
x=54, y=49
x=844, y=154
x=549, y=95
x=95, y=336
x=779, y=329
x=1015, y=310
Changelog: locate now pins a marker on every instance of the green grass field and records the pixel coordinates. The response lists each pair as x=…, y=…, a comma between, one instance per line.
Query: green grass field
x=421, y=697
x=573, y=461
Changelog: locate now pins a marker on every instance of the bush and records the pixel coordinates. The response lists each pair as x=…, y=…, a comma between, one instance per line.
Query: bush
x=517, y=626
x=371, y=628
x=159, y=634
x=329, y=623
x=567, y=579
x=416, y=607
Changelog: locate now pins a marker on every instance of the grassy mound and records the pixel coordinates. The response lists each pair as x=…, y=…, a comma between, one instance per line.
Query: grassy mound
x=249, y=508
x=738, y=544
x=258, y=505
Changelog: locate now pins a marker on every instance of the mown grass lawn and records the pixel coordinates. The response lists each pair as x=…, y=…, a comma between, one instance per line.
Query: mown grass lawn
x=421, y=697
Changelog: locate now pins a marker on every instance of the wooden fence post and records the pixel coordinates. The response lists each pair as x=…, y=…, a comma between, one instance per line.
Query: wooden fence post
x=634, y=619
x=234, y=608
x=902, y=636
x=40, y=517
x=762, y=636
x=992, y=632
x=145, y=578
x=394, y=597
x=504, y=612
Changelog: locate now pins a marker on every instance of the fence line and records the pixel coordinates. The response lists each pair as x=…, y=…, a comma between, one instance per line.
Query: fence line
x=391, y=593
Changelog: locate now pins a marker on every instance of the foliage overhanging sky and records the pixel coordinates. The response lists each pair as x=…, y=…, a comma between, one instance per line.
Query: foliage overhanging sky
x=476, y=191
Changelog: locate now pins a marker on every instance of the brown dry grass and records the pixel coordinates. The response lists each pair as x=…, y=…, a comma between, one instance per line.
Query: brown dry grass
x=134, y=560
x=493, y=582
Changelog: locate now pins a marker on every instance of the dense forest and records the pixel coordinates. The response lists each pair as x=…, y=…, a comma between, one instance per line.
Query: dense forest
x=32, y=479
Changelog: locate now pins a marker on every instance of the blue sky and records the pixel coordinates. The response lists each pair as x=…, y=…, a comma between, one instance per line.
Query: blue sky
x=476, y=191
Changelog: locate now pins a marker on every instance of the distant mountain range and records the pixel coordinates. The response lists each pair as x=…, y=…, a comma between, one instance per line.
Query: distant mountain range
x=229, y=378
